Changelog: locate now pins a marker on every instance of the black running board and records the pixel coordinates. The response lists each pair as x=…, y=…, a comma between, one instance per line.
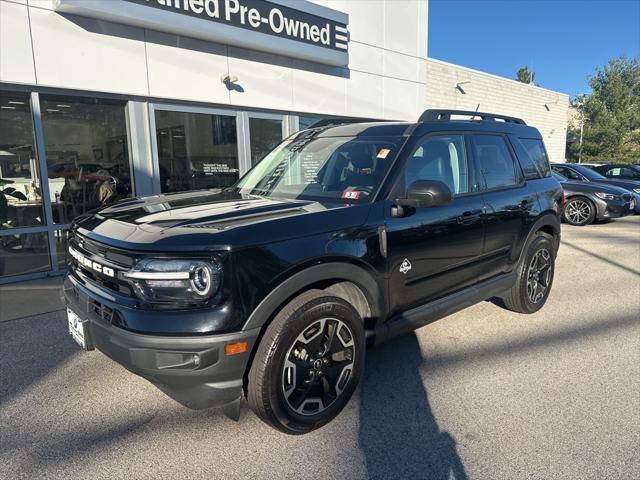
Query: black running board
x=437, y=309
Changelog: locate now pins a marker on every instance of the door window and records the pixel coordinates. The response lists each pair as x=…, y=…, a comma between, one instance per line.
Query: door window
x=196, y=150
x=495, y=161
x=570, y=174
x=440, y=158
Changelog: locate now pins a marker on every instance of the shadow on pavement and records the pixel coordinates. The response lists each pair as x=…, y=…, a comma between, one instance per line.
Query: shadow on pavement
x=399, y=434
x=31, y=348
x=601, y=257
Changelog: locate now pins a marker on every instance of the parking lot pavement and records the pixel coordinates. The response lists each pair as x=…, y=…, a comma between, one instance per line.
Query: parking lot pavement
x=482, y=394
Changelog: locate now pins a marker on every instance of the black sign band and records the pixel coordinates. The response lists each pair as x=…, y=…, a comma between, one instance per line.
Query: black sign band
x=261, y=16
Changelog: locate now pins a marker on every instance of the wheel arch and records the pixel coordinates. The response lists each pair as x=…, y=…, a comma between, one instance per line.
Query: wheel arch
x=549, y=224
x=345, y=280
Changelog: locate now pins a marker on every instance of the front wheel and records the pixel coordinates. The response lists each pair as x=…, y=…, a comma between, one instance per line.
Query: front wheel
x=535, y=276
x=308, y=363
x=579, y=212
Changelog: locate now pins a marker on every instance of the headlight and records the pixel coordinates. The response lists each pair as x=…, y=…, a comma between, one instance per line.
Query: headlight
x=607, y=196
x=637, y=190
x=176, y=283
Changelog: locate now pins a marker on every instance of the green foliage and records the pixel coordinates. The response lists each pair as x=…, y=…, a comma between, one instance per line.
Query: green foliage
x=525, y=75
x=612, y=114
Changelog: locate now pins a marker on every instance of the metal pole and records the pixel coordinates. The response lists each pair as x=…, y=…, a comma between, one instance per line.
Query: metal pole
x=581, y=132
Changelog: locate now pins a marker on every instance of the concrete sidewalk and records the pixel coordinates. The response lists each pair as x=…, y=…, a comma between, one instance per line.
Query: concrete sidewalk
x=25, y=299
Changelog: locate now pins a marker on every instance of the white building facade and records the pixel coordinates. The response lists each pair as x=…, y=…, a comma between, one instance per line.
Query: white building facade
x=104, y=99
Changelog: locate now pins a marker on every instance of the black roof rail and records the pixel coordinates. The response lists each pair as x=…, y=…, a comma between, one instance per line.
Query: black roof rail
x=445, y=115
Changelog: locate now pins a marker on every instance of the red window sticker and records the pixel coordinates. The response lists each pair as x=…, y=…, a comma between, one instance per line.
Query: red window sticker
x=351, y=194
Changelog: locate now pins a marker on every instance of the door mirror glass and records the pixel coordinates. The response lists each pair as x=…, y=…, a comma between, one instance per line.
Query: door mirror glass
x=426, y=193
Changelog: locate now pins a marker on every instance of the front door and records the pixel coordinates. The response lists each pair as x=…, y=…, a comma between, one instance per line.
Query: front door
x=434, y=251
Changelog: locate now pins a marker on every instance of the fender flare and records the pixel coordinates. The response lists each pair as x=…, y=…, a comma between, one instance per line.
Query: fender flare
x=548, y=219
x=326, y=271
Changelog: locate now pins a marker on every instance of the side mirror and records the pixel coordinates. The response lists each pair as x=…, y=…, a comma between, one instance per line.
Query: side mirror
x=426, y=193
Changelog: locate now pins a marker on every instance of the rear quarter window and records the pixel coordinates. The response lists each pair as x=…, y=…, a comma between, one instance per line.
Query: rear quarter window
x=537, y=154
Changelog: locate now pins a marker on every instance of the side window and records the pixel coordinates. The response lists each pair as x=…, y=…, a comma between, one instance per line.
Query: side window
x=567, y=172
x=440, y=158
x=536, y=151
x=495, y=161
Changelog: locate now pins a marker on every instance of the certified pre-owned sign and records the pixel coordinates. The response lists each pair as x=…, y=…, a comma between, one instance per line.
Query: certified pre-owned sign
x=296, y=28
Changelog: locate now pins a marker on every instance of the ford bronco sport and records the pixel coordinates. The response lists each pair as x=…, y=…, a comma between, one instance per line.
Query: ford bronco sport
x=342, y=237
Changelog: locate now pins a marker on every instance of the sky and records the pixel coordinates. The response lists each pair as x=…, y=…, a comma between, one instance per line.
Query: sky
x=562, y=41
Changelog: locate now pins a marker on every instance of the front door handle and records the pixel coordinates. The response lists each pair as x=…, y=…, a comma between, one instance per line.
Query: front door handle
x=469, y=217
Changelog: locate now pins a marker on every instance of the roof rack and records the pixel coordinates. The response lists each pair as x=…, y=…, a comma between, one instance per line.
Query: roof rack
x=445, y=115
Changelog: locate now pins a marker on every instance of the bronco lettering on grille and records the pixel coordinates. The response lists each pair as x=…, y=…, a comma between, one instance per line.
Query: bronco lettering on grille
x=88, y=263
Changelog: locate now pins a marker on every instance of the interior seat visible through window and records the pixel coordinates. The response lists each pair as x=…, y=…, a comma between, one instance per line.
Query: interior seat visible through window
x=440, y=158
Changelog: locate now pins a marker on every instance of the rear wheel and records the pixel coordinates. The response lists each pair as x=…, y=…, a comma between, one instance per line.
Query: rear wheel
x=535, y=276
x=308, y=363
x=579, y=211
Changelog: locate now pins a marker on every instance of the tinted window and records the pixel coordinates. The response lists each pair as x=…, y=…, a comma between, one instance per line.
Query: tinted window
x=440, y=158
x=537, y=153
x=622, y=172
x=495, y=161
x=569, y=173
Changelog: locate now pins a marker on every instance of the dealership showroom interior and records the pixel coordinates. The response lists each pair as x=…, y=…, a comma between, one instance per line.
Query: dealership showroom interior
x=106, y=101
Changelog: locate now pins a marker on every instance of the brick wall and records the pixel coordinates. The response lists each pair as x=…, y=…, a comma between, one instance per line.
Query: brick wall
x=495, y=94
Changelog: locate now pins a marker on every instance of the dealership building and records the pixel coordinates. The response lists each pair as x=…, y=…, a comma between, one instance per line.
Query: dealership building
x=104, y=99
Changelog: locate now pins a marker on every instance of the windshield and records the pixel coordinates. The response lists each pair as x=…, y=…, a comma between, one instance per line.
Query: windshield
x=323, y=168
x=590, y=174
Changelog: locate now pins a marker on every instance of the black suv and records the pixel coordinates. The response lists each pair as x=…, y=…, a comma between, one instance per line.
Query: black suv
x=342, y=237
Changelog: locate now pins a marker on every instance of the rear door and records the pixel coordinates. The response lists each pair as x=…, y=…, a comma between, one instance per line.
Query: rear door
x=433, y=251
x=510, y=204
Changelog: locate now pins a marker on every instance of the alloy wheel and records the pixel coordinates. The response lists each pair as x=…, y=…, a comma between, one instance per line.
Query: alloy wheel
x=318, y=366
x=578, y=211
x=539, y=275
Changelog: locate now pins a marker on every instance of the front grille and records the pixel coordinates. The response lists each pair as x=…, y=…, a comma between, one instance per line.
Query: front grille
x=104, y=256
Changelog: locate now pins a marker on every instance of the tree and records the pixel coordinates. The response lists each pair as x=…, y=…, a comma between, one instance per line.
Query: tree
x=525, y=75
x=611, y=114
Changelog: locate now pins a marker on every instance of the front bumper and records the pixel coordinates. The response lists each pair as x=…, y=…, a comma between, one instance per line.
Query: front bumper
x=613, y=208
x=193, y=370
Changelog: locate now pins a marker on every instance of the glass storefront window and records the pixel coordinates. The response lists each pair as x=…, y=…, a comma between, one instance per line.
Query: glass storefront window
x=265, y=134
x=23, y=254
x=87, y=154
x=196, y=150
x=20, y=193
x=62, y=247
x=307, y=122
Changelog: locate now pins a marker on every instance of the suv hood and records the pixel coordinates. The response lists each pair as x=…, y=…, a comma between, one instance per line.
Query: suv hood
x=206, y=220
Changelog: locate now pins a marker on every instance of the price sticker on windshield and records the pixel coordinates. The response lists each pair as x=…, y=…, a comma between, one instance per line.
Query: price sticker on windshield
x=383, y=153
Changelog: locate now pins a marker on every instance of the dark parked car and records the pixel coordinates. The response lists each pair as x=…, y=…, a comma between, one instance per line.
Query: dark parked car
x=586, y=202
x=341, y=237
x=582, y=173
x=618, y=171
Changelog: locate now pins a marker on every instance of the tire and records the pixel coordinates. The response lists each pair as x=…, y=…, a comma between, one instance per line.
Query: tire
x=530, y=291
x=283, y=369
x=579, y=211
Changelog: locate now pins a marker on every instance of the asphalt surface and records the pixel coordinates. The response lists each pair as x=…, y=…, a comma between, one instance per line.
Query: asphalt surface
x=483, y=394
